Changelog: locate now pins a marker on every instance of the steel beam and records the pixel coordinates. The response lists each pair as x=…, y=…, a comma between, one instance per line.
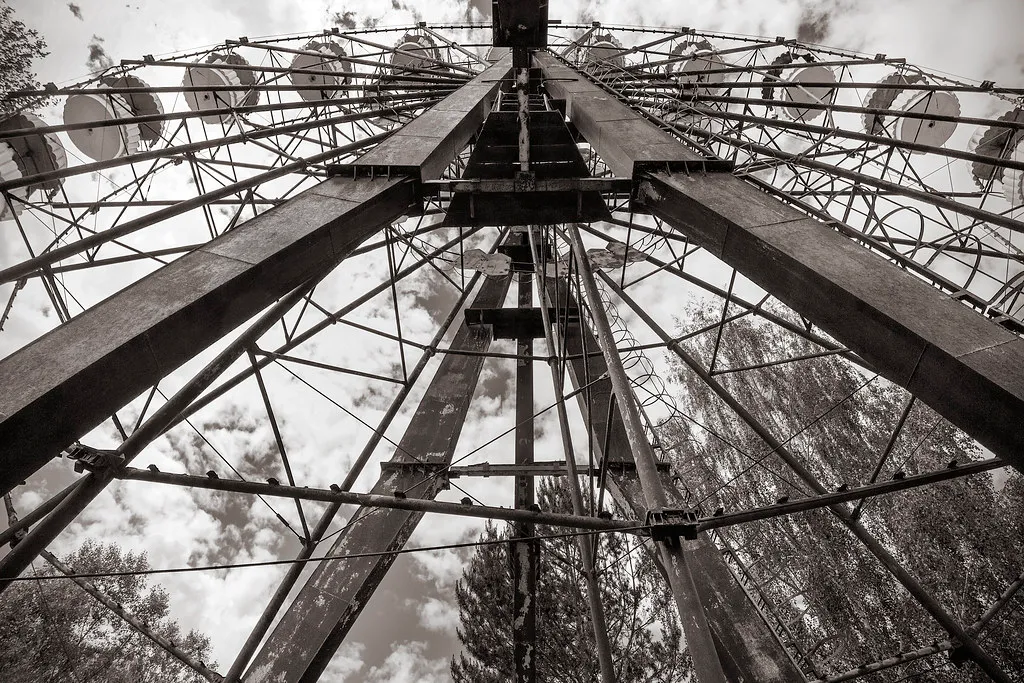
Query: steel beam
x=74, y=377
x=524, y=549
x=315, y=624
x=970, y=370
x=426, y=145
x=967, y=368
x=746, y=644
x=284, y=588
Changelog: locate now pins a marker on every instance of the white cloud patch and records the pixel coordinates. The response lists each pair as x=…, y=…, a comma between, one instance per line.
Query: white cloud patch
x=347, y=661
x=438, y=615
x=408, y=663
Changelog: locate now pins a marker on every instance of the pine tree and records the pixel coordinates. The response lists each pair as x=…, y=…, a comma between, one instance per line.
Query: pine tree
x=641, y=617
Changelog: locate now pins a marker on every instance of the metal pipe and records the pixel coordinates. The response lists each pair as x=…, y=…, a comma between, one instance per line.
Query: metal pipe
x=920, y=195
x=244, y=137
x=43, y=509
x=184, y=115
x=837, y=497
x=854, y=109
x=912, y=585
x=706, y=662
x=999, y=604
x=431, y=76
x=524, y=550
x=600, y=626
x=854, y=135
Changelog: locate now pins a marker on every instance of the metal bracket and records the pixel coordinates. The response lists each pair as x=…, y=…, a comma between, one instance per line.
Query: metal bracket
x=667, y=525
x=93, y=459
x=433, y=470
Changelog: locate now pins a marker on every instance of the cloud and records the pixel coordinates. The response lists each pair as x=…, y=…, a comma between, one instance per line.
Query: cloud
x=438, y=615
x=409, y=664
x=76, y=10
x=98, y=57
x=345, y=19
x=348, y=660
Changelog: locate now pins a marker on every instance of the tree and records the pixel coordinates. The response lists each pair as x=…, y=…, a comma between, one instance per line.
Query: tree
x=639, y=611
x=54, y=631
x=961, y=539
x=21, y=46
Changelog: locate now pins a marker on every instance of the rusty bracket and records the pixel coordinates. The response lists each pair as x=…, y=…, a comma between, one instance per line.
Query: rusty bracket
x=433, y=470
x=669, y=524
x=92, y=459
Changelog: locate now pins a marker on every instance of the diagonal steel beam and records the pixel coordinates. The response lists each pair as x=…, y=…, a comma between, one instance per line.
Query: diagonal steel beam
x=315, y=624
x=67, y=382
x=970, y=370
x=747, y=647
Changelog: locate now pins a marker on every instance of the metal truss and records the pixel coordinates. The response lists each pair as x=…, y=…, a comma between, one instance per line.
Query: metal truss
x=298, y=225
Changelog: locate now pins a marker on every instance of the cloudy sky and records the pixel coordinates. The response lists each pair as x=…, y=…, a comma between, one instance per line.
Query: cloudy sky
x=976, y=40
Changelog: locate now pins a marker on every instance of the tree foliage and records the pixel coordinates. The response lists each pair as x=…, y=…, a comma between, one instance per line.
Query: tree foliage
x=639, y=611
x=961, y=539
x=53, y=631
x=21, y=46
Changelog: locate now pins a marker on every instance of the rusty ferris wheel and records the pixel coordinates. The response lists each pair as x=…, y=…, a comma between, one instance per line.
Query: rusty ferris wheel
x=202, y=224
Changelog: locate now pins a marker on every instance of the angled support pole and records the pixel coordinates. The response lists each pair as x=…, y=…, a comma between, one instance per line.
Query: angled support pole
x=316, y=622
x=677, y=556
x=747, y=646
x=920, y=593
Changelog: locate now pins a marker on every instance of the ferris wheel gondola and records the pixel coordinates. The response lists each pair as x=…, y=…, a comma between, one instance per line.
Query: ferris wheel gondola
x=221, y=76
x=29, y=154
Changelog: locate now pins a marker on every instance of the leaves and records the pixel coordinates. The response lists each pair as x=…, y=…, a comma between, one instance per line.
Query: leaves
x=21, y=46
x=960, y=539
x=54, y=631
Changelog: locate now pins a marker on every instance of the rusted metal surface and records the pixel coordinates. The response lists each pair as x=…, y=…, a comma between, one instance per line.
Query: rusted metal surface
x=525, y=553
x=626, y=141
x=427, y=144
x=748, y=648
x=967, y=368
x=71, y=379
x=315, y=624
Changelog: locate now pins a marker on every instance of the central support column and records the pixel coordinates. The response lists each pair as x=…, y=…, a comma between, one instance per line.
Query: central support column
x=524, y=549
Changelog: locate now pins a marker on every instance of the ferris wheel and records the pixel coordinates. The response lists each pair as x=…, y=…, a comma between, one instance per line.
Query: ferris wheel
x=250, y=262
